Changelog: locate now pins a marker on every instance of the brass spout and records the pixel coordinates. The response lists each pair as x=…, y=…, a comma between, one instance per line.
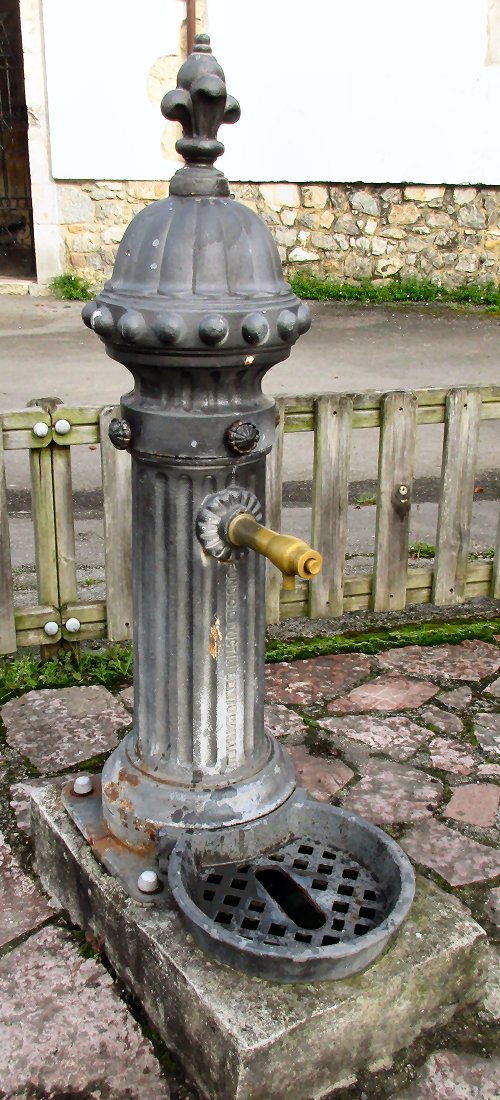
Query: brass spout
x=292, y=556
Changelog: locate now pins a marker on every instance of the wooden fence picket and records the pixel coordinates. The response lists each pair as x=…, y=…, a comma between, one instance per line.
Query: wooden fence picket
x=64, y=523
x=398, y=429
x=274, y=489
x=8, y=642
x=462, y=420
x=495, y=575
x=330, y=491
x=116, y=484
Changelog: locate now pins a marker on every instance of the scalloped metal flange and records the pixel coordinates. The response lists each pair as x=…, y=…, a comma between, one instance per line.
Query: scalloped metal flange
x=216, y=511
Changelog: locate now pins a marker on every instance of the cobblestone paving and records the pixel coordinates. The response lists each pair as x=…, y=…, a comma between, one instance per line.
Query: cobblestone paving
x=410, y=739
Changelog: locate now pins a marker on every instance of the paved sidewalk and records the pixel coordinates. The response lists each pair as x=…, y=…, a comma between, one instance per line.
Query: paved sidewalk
x=409, y=738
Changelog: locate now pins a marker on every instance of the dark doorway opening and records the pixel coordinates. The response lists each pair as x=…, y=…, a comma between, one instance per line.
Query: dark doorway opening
x=17, y=254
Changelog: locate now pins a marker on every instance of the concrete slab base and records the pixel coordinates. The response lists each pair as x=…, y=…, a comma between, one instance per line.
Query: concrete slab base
x=241, y=1038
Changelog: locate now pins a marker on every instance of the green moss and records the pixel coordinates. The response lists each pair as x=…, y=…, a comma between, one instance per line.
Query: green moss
x=310, y=286
x=421, y=634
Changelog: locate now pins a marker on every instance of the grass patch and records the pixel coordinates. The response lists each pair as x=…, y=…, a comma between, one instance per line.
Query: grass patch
x=421, y=550
x=113, y=667
x=322, y=290
x=489, y=553
x=72, y=288
x=363, y=501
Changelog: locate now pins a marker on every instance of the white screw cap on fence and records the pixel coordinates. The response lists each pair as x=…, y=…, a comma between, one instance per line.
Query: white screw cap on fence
x=51, y=629
x=62, y=427
x=72, y=625
x=82, y=784
x=40, y=429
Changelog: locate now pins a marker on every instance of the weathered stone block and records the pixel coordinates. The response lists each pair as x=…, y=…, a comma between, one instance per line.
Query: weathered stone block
x=389, y=793
x=302, y=255
x=472, y=217
x=241, y=1038
x=58, y=727
x=315, y=196
x=322, y=778
x=456, y=858
x=365, y=203
x=406, y=214
x=424, y=194
x=475, y=804
x=73, y=204
x=64, y=1030
x=451, y=756
x=385, y=693
x=280, y=194
x=22, y=907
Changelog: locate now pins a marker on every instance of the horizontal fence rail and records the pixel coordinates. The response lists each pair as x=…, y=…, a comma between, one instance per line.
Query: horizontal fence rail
x=332, y=418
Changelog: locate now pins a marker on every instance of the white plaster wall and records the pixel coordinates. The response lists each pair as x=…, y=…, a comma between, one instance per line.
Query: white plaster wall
x=337, y=90
x=48, y=245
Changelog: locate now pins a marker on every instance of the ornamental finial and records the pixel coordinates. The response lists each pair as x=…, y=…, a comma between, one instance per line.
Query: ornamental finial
x=200, y=103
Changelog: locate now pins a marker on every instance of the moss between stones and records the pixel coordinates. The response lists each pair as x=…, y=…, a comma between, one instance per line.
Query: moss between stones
x=113, y=667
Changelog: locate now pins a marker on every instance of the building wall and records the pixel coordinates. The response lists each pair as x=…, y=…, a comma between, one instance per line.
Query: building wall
x=448, y=235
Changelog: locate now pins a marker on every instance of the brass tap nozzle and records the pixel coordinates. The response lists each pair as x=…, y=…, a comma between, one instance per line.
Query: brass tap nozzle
x=292, y=556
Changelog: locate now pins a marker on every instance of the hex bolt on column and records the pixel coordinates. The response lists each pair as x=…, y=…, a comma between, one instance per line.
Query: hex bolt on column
x=198, y=310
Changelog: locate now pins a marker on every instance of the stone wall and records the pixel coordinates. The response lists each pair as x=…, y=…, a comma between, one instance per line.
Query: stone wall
x=347, y=233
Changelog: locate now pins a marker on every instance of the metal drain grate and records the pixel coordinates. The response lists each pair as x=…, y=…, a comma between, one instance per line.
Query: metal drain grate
x=303, y=893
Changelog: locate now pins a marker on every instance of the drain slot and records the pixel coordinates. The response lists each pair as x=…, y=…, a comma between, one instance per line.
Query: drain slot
x=291, y=898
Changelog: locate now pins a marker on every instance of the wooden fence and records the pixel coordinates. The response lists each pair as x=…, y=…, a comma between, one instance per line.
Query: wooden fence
x=332, y=418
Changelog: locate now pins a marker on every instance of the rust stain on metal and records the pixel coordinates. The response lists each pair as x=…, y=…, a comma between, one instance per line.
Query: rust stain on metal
x=215, y=639
x=111, y=791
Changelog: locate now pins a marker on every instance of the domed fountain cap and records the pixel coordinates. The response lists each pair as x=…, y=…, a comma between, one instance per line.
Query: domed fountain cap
x=198, y=274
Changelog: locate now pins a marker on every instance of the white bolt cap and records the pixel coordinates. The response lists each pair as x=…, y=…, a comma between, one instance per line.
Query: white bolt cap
x=72, y=625
x=51, y=629
x=62, y=427
x=40, y=429
x=148, y=882
x=82, y=785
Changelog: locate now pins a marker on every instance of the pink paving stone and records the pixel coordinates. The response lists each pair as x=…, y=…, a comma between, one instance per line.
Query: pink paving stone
x=475, y=804
x=127, y=696
x=450, y=1076
x=488, y=769
x=305, y=681
x=22, y=907
x=445, y=723
x=388, y=793
x=458, y=699
x=64, y=1030
x=322, y=778
x=58, y=727
x=456, y=858
x=451, y=756
x=395, y=736
x=471, y=660
x=487, y=731
x=283, y=722
x=386, y=693
x=493, y=689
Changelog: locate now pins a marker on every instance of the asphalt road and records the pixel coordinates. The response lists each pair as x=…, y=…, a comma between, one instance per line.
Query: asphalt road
x=45, y=350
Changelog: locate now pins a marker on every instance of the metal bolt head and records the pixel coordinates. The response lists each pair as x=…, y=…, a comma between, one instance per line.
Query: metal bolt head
x=50, y=629
x=120, y=433
x=148, y=882
x=82, y=785
x=403, y=489
x=242, y=437
x=40, y=429
x=62, y=427
x=72, y=625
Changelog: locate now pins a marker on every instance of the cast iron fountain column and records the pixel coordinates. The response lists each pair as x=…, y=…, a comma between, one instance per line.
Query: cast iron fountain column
x=198, y=310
